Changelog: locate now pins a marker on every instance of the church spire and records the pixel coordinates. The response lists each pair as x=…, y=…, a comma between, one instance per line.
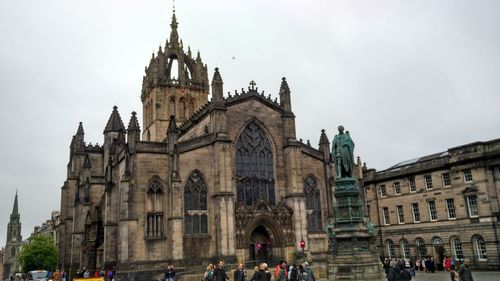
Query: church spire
x=174, y=36
x=15, y=209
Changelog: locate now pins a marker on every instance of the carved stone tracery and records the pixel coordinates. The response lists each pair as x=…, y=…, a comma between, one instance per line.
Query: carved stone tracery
x=276, y=219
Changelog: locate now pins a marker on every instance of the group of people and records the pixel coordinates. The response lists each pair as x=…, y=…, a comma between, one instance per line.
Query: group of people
x=58, y=275
x=108, y=275
x=261, y=272
x=404, y=270
x=399, y=270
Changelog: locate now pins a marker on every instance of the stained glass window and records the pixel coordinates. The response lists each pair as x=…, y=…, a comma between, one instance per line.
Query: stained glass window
x=195, y=205
x=313, y=204
x=254, y=166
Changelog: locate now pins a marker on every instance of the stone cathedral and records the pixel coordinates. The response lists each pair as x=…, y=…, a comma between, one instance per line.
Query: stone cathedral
x=198, y=180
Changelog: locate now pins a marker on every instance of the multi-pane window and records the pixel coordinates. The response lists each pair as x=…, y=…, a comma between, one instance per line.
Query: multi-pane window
x=432, y=210
x=480, y=248
x=383, y=190
x=428, y=181
x=421, y=250
x=450, y=207
x=401, y=214
x=412, y=185
x=472, y=205
x=386, y=216
x=390, y=249
x=154, y=207
x=313, y=204
x=397, y=188
x=195, y=205
x=467, y=175
x=446, y=179
x=254, y=166
x=457, y=248
x=416, y=212
x=405, y=247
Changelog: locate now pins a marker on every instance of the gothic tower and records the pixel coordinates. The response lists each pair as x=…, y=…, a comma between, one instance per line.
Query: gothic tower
x=13, y=244
x=175, y=84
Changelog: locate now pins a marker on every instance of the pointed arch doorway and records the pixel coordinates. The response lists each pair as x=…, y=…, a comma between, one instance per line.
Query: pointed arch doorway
x=260, y=245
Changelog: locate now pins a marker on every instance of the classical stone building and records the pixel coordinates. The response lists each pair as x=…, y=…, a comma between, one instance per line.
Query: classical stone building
x=445, y=204
x=204, y=179
x=49, y=227
x=13, y=243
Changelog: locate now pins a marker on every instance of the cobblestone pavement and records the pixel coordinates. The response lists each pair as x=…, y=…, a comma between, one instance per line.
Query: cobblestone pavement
x=445, y=276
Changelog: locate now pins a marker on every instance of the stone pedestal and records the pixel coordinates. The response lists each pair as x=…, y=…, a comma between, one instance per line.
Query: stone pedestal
x=352, y=254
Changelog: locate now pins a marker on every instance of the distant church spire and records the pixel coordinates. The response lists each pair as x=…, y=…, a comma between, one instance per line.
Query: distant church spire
x=15, y=209
x=174, y=36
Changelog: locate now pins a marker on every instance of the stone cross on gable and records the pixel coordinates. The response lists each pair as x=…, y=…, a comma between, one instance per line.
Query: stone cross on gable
x=252, y=84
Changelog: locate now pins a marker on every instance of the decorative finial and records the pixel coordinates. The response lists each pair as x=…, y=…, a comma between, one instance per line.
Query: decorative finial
x=252, y=85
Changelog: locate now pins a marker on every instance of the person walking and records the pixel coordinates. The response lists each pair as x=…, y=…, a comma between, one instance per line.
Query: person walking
x=209, y=274
x=255, y=273
x=170, y=273
x=219, y=272
x=310, y=274
x=240, y=274
x=464, y=272
x=293, y=273
x=453, y=275
x=393, y=272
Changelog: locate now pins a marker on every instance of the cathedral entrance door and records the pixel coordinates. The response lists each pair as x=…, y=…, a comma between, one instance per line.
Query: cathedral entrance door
x=260, y=247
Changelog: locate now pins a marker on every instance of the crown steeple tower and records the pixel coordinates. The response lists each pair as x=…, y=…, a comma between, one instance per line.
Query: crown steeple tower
x=174, y=84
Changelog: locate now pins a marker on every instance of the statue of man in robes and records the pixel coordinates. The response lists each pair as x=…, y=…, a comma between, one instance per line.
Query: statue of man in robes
x=343, y=153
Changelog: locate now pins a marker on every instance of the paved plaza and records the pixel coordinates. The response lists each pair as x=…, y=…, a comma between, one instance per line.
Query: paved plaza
x=445, y=276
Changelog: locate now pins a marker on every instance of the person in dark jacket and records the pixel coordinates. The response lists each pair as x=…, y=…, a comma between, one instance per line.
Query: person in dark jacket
x=220, y=273
x=393, y=272
x=170, y=273
x=240, y=274
x=464, y=272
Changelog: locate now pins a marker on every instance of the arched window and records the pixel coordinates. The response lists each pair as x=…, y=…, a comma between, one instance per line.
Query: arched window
x=405, y=249
x=420, y=247
x=195, y=205
x=13, y=252
x=480, y=248
x=171, y=107
x=254, y=166
x=390, y=249
x=456, y=247
x=436, y=241
x=154, y=208
x=313, y=204
x=182, y=109
x=173, y=68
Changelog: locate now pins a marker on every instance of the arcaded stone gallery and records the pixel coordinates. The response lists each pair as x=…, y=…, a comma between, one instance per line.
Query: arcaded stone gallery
x=199, y=180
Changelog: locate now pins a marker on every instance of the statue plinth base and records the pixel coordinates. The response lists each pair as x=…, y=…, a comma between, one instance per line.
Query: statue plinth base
x=353, y=255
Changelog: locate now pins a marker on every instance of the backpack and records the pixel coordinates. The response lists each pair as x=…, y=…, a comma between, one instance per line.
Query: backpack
x=276, y=271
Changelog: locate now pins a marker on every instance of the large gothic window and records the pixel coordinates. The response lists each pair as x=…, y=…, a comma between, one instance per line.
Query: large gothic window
x=154, y=208
x=195, y=205
x=254, y=166
x=313, y=204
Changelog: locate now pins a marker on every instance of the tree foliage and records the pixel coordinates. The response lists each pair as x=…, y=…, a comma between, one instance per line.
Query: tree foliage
x=39, y=253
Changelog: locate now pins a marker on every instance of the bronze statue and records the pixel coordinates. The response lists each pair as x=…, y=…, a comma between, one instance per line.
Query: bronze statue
x=343, y=153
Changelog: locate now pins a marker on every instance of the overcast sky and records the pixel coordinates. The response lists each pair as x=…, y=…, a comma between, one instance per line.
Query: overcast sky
x=406, y=78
